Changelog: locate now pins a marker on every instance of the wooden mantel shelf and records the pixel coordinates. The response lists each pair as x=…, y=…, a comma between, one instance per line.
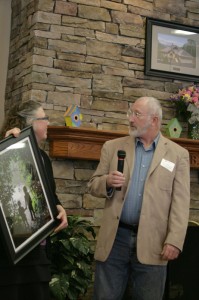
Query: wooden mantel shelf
x=86, y=143
x=78, y=142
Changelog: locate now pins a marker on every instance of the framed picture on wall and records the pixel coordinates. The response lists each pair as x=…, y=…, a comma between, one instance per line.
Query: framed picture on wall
x=172, y=50
x=27, y=216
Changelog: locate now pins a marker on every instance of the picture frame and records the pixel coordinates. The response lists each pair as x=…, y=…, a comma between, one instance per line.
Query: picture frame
x=172, y=50
x=27, y=216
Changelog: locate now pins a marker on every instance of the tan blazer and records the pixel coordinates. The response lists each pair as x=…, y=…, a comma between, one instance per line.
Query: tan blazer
x=165, y=208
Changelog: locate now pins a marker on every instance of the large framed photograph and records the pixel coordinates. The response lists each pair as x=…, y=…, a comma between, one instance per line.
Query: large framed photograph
x=27, y=216
x=172, y=50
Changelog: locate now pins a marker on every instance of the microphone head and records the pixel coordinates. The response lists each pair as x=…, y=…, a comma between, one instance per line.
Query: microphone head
x=121, y=154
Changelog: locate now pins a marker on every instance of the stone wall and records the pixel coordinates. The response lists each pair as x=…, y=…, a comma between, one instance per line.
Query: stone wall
x=89, y=53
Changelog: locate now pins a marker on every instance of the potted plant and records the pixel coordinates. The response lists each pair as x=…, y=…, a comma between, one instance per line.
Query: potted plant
x=72, y=259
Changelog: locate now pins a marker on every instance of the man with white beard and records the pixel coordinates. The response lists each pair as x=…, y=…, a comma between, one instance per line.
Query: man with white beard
x=144, y=224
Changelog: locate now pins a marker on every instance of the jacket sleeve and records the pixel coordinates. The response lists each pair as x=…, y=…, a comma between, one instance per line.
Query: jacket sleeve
x=179, y=210
x=97, y=184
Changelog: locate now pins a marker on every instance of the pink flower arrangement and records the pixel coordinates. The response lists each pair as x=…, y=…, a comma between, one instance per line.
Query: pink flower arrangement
x=190, y=95
x=187, y=103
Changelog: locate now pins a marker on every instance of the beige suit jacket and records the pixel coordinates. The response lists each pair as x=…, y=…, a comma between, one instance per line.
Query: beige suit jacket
x=165, y=208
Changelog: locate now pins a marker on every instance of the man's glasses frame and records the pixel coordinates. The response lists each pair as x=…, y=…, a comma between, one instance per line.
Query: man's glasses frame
x=136, y=114
x=46, y=118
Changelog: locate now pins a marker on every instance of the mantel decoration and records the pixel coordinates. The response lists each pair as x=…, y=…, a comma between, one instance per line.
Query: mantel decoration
x=73, y=116
x=173, y=128
x=187, y=109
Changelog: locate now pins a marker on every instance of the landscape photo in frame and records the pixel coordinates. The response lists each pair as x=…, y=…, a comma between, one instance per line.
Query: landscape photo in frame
x=172, y=50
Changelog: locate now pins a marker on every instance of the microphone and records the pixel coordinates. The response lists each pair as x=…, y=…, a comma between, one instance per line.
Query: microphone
x=121, y=154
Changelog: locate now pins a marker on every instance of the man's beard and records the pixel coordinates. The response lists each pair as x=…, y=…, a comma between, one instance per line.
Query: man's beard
x=138, y=132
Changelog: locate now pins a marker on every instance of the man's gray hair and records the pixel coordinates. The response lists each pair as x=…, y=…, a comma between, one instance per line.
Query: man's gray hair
x=154, y=107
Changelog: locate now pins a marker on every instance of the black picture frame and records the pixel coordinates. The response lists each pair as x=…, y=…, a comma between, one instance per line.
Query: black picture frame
x=172, y=50
x=27, y=216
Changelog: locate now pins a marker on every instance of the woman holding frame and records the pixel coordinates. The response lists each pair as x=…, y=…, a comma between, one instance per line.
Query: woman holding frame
x=29, y=278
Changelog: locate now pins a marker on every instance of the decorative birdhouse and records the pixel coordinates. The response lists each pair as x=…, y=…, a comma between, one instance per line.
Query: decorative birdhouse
x=173, y=128
x=73, y=116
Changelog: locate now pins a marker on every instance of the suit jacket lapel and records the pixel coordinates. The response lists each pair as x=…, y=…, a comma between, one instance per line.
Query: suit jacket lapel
x=129, y=147
x=159, y=153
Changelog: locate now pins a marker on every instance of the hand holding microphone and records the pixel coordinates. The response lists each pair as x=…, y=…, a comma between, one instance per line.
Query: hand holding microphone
x=115, y=178
x=120, y=165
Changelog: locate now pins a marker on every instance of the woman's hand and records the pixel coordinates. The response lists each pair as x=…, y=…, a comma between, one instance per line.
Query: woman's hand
x=62, y=217
x=14, y=131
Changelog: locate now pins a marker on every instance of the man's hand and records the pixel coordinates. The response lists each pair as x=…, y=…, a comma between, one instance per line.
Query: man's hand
x=170, y=252
x=115, y=179
x=14, y=131
x=62, y=217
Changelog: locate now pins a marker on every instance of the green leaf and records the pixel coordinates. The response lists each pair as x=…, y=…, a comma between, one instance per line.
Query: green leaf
x=81, y=244
x=58, y=286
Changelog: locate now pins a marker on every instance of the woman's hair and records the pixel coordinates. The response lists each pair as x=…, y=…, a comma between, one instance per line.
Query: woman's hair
x=20, y=115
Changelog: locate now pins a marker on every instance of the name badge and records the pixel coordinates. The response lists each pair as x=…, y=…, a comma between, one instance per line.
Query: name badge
x=167, y=165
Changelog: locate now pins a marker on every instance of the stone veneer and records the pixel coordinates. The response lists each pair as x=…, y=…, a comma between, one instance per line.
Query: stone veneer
x=89, y=53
